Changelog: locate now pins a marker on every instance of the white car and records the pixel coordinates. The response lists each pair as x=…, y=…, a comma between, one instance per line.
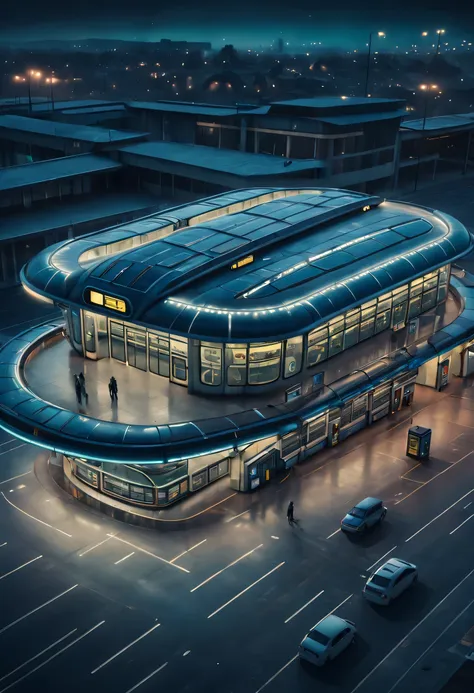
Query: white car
x=326, y=640
x=389, y=581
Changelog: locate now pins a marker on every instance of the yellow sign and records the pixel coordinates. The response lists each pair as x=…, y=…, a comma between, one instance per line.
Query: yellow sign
x=413, y=443
x=109, y=302
x=241, y=263
x=366, y=208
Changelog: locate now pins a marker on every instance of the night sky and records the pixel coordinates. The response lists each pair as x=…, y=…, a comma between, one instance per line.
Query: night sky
x=236, y=21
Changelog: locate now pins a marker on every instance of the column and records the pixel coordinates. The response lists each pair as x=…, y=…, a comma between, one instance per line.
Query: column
x=243, y=135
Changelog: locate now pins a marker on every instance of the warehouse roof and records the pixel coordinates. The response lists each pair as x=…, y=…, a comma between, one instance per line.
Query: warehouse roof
x=203, y=109
x=52, y=128
x=27, y=175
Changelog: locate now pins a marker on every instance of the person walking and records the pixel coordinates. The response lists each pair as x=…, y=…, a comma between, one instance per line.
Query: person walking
x=290, y=513
x=82, y=382
x=113, y=389
x=78, y=388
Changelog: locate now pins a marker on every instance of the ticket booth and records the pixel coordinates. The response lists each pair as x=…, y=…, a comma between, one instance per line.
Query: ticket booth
x=418, y=443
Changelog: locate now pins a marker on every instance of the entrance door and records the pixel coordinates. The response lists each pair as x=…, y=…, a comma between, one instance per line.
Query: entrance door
x=179, y=360
x=397, y=400
x=333, y=433
x=90, y=345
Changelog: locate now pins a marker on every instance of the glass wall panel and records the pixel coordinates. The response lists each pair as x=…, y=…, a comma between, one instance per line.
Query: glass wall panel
x=352, y=318
x=211, y=364
x=236, y=361
x=351, y=336
x=136, y=348
x=415, y=307
x=384, y=303
x=368, y=310
x=264, y=363
x=159, y=354
x=429, y=300
x=293, y=356
x=117, y=341
x=317, y=352
x=76, y=326
x=336, y=325
x=442, y=292
x=102, y=337
x=382, y=321
x=430, y=283
x=335, y=343
x=89, y=332
x=399, y=313
x=317, y=429
x=416, y=287
x=367, y=329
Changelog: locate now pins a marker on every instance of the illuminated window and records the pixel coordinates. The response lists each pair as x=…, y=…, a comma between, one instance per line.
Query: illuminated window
x=97, y=298
x=241, y=263
x=115, y=304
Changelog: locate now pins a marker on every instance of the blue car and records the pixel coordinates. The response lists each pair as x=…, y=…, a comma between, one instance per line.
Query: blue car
x=365, y=514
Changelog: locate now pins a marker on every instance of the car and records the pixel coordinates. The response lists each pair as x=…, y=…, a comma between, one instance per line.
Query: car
x=326, y=640
x=365, y=514
x=389, y=581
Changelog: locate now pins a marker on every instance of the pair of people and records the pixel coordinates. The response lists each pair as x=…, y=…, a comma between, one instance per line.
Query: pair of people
x=113, y=389
x=80, y=387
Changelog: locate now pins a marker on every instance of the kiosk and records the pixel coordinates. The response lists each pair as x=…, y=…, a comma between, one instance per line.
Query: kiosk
x=418, y=442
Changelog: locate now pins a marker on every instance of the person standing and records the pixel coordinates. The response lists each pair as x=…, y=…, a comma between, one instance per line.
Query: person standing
x=113, y=389
x=78, y=388
x=290, y=513
x=82, y=382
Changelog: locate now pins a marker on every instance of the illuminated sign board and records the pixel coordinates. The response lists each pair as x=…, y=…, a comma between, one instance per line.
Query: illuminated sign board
x=241, y=263
x=366, y=208
x=110, y=302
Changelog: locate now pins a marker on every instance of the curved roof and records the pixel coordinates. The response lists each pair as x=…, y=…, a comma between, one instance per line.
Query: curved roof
x=303, y=257
x=30, y=418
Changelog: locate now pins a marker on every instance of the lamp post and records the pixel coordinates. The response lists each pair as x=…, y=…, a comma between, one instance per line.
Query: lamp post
x=31, y=73
x=381, y=34
x=425, y=88
x=51, y=80
x=440, y=32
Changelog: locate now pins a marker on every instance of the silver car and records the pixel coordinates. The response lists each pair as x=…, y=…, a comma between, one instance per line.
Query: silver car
x=389, y=581
x=326, y=640
x=365, y=514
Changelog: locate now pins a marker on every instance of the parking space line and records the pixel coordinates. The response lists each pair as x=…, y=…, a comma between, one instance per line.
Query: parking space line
x=431, y=645
x=187, y=551
x=124, y=558
x=124, y=649
x=462, y=523
x=465, y=507
x=227, y=566
x=234, y=517
x=12, y=478
x=272, y=678
x=28, y=661
x=95, y=546
x=433, y=478
x=20, y=567
x=56, y=654
x=410, y=632
x=50, y=601
x=134, y=688
x=331, y=535
x=5, y=452
x=440, y=515
x=380, y=559
x=148, y=553
x=12, y=440
x=4, y=544
x=304, y=606
x=246, y=589
x=35, y=518
x=414, y=481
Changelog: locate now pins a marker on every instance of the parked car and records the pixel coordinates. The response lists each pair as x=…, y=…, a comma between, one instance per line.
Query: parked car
x=326, y=640
x=389, y=581
x=365, y=514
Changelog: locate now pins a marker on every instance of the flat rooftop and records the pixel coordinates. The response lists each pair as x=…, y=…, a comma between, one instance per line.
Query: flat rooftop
x=227, y=161
x=54, y=129
x=449, y=122
x=27, y=175
x=203, y=109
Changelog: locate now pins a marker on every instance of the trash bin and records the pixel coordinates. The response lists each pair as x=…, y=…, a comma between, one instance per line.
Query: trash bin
x=418, y=443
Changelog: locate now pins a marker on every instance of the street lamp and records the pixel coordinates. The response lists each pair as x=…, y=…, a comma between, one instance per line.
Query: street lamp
x=425, y=88
x=440, y=32
x=51, y=80
x=381, y=34
x=36, y=74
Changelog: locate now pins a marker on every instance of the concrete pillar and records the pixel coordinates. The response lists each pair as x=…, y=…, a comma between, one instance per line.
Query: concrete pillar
x=257, y=141
x=288, y=147
x=243, y=135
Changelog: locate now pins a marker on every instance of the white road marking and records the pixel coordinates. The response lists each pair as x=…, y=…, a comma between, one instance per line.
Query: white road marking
x=274, y=537
x=462, y=523
x=12, y=478
x=20, y=567
x=28, y=661
x=185, y=654
x=4, y=544
x=13, y=623
x=124, y=558
x=231, y=519
x=433, y=478
x=246, y=589
x=227, y=566
x=335, y=608
x=466, y=577
x=380, y=559
x=148, y=553
x=35, y=518
x=5, y=452
x=304, y=606
x=440, y=515
x=11, y=440
x=187, y=551
x=56, y=654
x=272, y=678
x=134, y=688
x=124, y=649
x=95, y=546
x=430, y=646
x=277, y=674
x=331, y=535
x=466, y=506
